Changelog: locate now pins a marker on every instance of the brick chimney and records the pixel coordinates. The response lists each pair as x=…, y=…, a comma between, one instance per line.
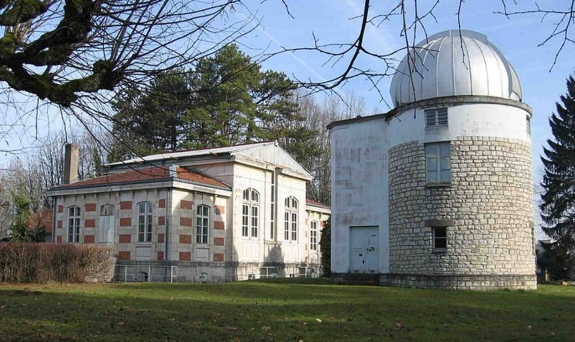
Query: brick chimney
x=71, y=156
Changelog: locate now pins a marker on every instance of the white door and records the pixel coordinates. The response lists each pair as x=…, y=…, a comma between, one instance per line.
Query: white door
x=364, y=245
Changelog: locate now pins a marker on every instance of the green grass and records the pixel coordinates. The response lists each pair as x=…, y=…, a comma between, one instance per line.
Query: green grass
x=281, y=310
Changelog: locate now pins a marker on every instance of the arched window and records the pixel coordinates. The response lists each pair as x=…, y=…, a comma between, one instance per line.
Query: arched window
x=250, y=213
x=202, y=224
x=313, y=235
x=144, y=222
x=291, y=219
x=74, y=224
x=107, y=210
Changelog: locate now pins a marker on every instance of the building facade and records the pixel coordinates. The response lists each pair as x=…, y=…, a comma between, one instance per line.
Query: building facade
x=211, y=215
x=438, y=192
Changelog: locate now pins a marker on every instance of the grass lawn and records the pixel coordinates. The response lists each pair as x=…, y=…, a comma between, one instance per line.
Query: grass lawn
x=281, y=310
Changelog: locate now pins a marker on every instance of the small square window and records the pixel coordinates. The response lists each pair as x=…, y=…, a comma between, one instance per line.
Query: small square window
x=439, y=239
x=435, y=117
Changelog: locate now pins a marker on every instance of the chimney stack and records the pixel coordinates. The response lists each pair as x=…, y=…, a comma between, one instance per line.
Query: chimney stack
x=71, y=156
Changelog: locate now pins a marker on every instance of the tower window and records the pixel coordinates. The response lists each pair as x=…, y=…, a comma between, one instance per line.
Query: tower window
x=438, y=163
x=439, y=239
x=528, y=126
x=435, y=117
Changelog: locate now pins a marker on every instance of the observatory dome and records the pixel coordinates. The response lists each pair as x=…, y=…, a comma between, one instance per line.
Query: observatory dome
x=452, y=63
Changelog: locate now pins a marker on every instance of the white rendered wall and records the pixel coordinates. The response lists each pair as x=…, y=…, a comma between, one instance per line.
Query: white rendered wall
x=253, y=249
x=474, y=119
x=359, y=188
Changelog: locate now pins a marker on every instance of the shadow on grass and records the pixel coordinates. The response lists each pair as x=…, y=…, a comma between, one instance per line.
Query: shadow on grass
x=279, y=311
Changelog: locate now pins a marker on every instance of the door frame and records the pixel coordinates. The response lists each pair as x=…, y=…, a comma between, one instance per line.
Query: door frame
x=365, y=228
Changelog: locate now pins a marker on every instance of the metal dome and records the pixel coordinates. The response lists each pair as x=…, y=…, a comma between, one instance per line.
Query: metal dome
x=454, y=63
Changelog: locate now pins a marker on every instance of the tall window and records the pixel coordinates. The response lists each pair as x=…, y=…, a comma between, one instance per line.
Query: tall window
x=291, y=219
x=313, y=236
x=436, y=117
x=202, y=224
x=272, y=206
x=106, y=224
x=439, y=239
x=250, y=213
x=74, y=224
x=145, y=222
x=438, y=163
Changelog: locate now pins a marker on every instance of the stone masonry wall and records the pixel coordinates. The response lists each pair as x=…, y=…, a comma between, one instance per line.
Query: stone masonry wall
x=489, y=204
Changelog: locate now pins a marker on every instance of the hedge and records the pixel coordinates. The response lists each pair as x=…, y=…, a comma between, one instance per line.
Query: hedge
x=26, y=262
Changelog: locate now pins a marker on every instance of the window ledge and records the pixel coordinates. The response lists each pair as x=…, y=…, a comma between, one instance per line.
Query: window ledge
x=142, y=243
x=437, y=185
x=439, y=251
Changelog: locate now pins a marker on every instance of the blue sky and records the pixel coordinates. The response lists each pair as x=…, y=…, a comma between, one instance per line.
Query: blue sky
x=517, y=37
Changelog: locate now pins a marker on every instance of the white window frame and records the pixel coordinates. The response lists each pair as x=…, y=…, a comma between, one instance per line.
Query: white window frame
x=291, y=219
x=272, y=206
x=202, y=224
x=145, y=222
x=438, y=163
x=107, y=210
x=436, y=238
x=436, y=117
x=74, y=213
x=313, y=235
x=250, y=213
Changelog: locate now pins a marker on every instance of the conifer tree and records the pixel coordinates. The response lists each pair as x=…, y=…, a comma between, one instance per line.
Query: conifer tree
x=558, y=198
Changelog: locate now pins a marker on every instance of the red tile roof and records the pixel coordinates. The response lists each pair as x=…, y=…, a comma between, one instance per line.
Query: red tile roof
x=154, y=173
x=315, y=203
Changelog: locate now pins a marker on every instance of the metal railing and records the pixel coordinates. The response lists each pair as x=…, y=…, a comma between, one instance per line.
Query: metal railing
x=145, y=273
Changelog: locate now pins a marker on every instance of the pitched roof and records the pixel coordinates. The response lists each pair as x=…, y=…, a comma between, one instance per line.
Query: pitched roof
x=154, y=173
x=192, y=153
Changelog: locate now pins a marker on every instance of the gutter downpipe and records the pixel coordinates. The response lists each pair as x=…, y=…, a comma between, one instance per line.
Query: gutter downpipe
x=54, y=211
x=168, y=219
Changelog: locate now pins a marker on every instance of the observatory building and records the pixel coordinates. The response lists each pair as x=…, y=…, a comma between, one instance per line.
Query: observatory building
x=437, y=193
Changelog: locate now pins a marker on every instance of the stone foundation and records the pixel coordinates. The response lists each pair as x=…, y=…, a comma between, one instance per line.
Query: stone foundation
x=461, y=282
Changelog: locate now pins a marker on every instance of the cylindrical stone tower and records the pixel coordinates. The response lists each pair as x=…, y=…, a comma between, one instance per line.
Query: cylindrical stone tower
x=460, y=169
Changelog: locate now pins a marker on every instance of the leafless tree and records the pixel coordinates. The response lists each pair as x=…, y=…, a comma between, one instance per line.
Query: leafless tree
x=76, y=54
x=43, y=169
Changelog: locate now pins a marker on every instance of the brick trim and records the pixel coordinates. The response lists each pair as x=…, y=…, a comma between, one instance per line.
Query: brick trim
x=124, y=255
x=185, y=221
x=185, y=256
